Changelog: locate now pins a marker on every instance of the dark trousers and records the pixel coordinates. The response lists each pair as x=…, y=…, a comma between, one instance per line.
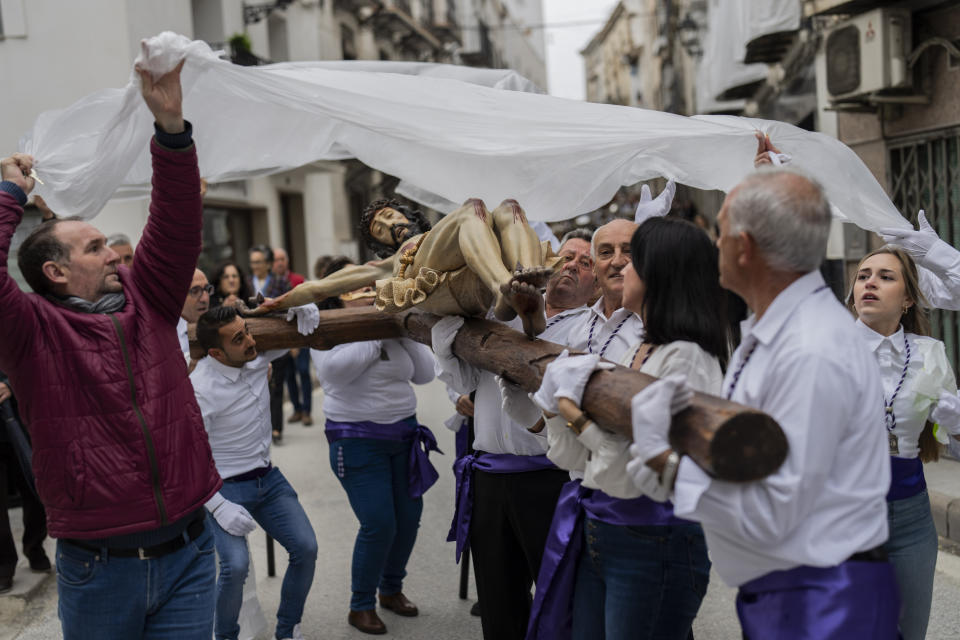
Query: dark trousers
x=277, y=377
x=34, y=517
x=511, y=518
x=299, y=385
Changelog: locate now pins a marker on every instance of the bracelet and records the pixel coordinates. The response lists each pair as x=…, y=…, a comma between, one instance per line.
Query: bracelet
x=578, y=423
x=669, y=474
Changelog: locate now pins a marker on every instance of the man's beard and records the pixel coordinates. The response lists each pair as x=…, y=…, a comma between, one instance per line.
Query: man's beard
x=411, y=228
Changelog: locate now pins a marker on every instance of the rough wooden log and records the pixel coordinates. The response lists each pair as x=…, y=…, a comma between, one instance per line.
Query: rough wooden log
x=728, y=440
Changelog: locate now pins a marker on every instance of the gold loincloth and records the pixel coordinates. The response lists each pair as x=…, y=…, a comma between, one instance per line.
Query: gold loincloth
x=400, y=293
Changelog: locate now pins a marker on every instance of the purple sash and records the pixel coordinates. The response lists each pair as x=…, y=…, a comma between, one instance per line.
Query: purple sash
x=906, y=478
x=491, y=463
x=551, y=615
x=421, y=474
x=851, y=601
x=635, y=512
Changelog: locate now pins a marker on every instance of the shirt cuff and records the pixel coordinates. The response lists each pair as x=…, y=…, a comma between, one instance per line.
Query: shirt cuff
x=13, y=189
x=691, y=483
x=174, y=141
x=942, y=258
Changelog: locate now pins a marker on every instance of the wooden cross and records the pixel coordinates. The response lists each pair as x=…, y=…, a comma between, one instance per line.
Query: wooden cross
x=730, y=441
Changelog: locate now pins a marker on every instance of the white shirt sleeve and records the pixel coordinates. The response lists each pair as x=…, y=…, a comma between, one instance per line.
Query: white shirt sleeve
x=940, y=276
x=423, y=361
x=563, y=447
x=807, y=401
x=346, y=362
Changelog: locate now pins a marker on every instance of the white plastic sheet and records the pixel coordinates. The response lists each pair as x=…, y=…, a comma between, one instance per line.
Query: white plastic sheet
x=446, y=139
x=721, y=66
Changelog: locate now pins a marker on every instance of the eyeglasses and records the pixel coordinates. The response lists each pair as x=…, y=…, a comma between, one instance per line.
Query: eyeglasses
x=196, y=292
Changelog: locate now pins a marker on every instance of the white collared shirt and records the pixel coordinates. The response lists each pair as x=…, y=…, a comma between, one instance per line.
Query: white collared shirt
x=606, y=468
x=370, y=381
x=928, y=374
x=235, y=404
x=940, y=276
x=184, y=339
x=609, y=337
x=494, y=431
x=810, y=371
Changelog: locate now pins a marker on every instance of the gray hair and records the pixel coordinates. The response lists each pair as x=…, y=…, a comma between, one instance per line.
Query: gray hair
x=580, y=233
x=788, y=216
x=118, y=238
x=593, y=237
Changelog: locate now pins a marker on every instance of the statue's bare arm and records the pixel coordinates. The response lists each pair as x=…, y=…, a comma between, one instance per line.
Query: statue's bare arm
x=347, y=279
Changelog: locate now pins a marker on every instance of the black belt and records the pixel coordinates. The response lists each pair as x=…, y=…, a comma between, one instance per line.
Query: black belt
x=250, y=475
x=877, y=554
x=193, y=530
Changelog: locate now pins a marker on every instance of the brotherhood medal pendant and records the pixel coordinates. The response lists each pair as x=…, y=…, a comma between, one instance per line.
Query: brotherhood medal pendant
x=894, y=444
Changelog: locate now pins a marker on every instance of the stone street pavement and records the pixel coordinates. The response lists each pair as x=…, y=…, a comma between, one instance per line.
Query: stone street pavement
x=433, y=577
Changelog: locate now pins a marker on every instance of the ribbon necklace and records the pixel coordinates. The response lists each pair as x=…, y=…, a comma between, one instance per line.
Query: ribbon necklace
x=888, y=415
x=606, y=344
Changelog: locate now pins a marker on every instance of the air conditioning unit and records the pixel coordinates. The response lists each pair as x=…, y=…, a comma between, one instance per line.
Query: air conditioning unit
x=868, y=53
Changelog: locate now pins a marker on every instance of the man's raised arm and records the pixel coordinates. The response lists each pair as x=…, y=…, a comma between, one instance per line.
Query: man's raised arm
x=16, y=318
x=168, y=250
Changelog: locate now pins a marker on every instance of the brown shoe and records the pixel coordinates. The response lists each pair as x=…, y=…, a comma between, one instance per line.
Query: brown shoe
x=398, y=603
x=367, y=621
x=307, y=420
x=296, y=417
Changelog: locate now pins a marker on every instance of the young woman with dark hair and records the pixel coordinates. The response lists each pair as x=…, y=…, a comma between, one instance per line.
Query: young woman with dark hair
x=231, y=286
x=374, y=437
x=642, y=572
x=916, y=374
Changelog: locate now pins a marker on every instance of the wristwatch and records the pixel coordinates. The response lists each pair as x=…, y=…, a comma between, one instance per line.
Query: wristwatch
x=669, y=474
x=578, y=423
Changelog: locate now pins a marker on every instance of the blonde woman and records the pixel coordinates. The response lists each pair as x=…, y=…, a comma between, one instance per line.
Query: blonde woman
x=919, y=388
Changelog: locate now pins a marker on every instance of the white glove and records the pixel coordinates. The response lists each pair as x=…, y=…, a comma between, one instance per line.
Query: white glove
x=916, y=243
x=231, y=517
x=566, y=377
x=779, y=159
x=442, y=335
x=650, y=207
x=517, y=404
x=947, y=413
x=651, y=410
x=308, y=318
x=647, y=480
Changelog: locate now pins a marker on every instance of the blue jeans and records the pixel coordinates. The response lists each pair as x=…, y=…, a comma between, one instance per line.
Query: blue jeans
x=301, y=395
x=912, y=547
x=273, y=504
x=104, y=597
x=374, y=475
x=639, y=582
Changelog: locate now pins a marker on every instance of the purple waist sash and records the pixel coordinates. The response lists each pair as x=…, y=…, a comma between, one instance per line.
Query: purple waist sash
x=851, y=601
x=421, y=474
x=637, y=512
x=491, y=463
x=906, y=478
x=550, y=615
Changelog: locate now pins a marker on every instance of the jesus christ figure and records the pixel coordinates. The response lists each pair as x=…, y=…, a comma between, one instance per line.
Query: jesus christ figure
x=471, y=260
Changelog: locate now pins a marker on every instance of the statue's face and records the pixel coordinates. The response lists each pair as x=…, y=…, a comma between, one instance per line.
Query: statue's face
x=390, y=227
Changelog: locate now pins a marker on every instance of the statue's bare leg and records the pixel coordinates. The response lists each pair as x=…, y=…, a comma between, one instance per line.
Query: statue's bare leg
x=519, y=243
x=523, y=294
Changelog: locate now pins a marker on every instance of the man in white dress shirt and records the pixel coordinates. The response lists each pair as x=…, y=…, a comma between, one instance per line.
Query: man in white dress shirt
x=608, y=329
x=231, y=387
x=515, y=488
x=195, y=305
x=803, y=544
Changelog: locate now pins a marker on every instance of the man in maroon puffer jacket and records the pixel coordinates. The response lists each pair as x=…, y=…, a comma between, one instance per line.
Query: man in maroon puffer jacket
x=121, y=457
